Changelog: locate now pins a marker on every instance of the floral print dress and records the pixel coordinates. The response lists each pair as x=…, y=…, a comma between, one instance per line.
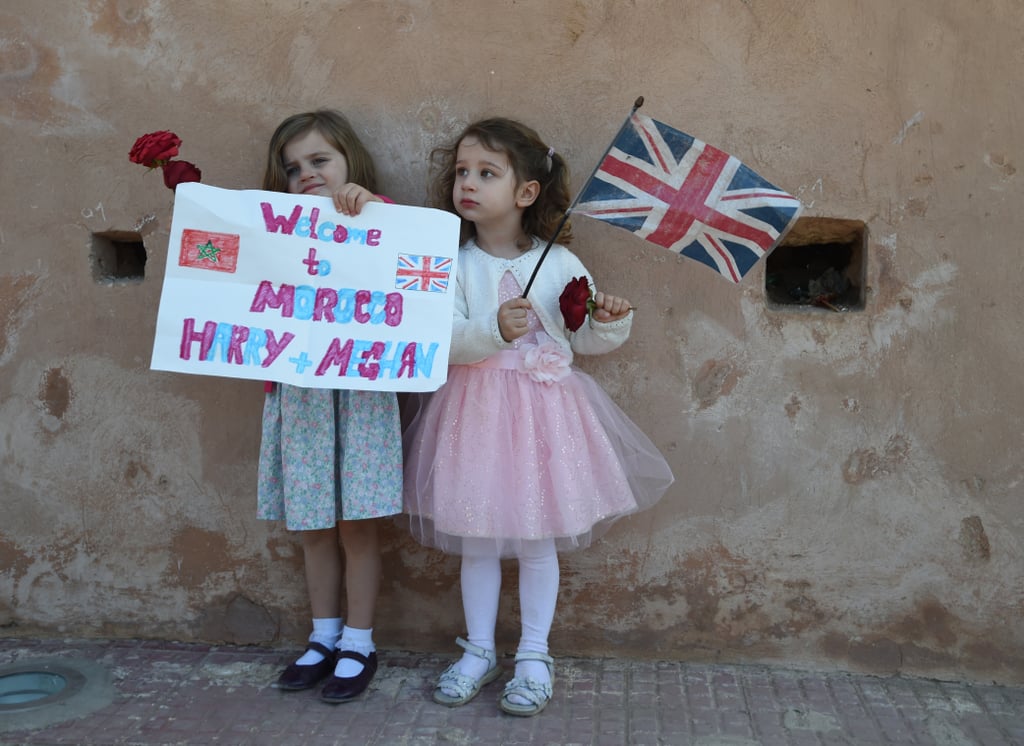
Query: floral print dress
x=329, y=455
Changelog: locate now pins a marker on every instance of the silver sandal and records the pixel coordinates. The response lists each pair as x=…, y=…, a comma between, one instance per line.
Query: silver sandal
x=537, y=693
x=465, y=687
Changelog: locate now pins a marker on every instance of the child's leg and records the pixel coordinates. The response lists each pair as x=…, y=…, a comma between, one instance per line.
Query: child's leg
x=322, y=559
x=481, y=588
x=322, y=562
x=538, y=594
x=362, y=585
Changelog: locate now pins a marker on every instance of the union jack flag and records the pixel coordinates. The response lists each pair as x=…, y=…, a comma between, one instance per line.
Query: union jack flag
x=680, y=193
x=428, y=273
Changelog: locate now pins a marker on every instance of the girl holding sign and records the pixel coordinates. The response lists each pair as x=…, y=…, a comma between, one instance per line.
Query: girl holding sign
x=519, y=454
x=330, y=460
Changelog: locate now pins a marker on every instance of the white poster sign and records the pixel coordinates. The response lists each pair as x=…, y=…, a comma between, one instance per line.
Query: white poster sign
x=281, y=287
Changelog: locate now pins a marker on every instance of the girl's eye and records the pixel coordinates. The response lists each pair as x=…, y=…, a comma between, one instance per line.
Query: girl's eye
x=486, y=173
x=319, y=161
x=461, y=171
x=291, y=170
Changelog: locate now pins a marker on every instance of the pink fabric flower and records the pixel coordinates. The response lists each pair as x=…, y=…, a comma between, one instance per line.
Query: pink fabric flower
x=546, y=361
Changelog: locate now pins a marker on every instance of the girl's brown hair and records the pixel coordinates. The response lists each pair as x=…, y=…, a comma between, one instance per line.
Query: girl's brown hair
x=337, y=130
x=530, y=160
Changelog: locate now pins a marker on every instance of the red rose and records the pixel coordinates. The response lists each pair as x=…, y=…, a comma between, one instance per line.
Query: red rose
x=575, y=303
x=178, y=172
x=155, y=149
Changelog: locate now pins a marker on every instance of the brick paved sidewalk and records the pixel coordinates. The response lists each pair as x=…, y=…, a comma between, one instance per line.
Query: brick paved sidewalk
x=167, y=693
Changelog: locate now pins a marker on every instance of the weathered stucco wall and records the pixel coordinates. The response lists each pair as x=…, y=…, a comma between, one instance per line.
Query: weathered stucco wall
x=849, y=484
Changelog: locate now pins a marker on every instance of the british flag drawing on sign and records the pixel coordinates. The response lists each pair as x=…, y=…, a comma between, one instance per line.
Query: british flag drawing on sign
x=680, y=193
x=427, y=273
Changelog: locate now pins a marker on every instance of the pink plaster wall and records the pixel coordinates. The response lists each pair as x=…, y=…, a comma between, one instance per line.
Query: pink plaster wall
x=849, y=484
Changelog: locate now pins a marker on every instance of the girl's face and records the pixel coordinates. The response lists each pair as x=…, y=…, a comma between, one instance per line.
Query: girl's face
x=314, y=166
x=485, y=185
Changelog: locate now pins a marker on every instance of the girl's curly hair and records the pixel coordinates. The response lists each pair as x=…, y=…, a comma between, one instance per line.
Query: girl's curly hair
x=530, y=160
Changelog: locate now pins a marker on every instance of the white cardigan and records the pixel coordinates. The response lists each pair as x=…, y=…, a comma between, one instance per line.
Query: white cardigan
x=475, y=333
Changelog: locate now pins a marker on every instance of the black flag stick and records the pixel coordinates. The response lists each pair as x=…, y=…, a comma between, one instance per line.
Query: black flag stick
x=636, y=105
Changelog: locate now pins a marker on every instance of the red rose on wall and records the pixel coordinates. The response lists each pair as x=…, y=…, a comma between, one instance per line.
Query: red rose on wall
x=155, y=149
x=576, y=302
x=178, y=172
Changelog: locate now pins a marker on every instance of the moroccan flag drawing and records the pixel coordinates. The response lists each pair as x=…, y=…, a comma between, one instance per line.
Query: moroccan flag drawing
x=209, y=250
x=680, y=193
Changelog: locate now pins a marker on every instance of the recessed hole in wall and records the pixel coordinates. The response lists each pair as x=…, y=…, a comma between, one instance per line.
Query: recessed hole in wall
x=118, y=255
x=820, y=265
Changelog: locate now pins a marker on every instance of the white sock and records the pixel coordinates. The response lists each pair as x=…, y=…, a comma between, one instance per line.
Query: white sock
x=472, y=665
x=325, y=632
x=358, y=641
x=533, y=670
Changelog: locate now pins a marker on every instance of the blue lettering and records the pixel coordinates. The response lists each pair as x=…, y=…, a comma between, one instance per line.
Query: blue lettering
x=425, y=360
x=257, y=341
x=305, y=302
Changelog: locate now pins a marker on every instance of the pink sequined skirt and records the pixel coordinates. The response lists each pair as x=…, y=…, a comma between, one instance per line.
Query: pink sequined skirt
x=494, y=454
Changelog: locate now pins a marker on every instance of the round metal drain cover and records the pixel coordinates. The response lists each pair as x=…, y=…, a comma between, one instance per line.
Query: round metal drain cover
x=35, y=693
x=28, y=688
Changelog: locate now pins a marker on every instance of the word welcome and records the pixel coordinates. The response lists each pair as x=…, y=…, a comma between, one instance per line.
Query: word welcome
x=342, y=306
x=238, y=344
x=306, y=226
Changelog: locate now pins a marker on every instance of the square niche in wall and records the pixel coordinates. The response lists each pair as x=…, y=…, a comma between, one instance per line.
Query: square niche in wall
x=820, y=265
x=118, y=255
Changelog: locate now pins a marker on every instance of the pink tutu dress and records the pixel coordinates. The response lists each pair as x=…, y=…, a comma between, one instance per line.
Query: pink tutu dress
x=523, y=446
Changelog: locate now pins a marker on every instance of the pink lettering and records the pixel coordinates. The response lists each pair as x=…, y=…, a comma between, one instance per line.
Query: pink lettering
x=371, y=368
x=280, y=223
x=283, y=299
x=408, y=361
x=393, y=309
x=323, y=306
x=362, y=299
x=190, y=335
x=314, y=213
x=336, y=354
x=275, y=348
x=238, y=335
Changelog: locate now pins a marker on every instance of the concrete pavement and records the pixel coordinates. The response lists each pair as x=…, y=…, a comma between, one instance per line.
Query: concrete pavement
x=143, y=692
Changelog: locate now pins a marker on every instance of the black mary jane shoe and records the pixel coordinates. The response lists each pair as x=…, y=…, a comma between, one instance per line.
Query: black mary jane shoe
x=296, y=678
x=344, y=689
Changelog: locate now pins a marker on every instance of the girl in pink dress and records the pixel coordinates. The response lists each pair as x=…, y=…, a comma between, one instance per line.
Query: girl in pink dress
x=519, y=454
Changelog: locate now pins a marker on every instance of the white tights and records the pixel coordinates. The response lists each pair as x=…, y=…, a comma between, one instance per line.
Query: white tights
x=538, y=594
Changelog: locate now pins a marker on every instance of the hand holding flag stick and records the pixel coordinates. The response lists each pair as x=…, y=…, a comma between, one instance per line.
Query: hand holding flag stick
x=675, y=191
x=636, y=105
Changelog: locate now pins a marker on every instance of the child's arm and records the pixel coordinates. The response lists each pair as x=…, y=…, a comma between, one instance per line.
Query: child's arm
x=612, y=318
